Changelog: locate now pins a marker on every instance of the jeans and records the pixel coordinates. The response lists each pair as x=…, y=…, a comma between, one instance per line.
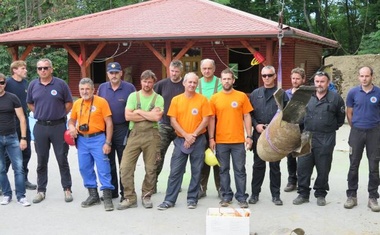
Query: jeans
x=359, y=139
x=237, y=153
x=11, y=145
x=90, y=151
x=177, y=169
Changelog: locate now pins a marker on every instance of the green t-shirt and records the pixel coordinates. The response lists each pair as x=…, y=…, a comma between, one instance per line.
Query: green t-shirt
x=145, y=104
x=209, y=87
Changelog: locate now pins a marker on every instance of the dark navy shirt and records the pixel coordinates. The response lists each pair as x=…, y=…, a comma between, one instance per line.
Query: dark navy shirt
x=366, y=107
x=117, y=99
x=168, y=89
x=49, y=100
x=264, y=104
x=19, y=89
x=325, y=115
x=8, y=103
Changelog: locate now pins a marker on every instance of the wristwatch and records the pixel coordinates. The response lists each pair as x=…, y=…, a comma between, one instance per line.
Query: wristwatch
x=108, y=143
x=23, y=138
x=249, y=136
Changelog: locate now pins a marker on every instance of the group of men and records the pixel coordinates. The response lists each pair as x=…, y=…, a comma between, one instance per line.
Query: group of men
x=195, y=114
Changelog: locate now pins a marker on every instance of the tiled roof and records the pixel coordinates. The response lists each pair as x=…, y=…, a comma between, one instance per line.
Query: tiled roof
x=159, y=20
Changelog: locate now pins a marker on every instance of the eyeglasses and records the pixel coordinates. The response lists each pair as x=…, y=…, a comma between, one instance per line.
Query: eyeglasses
x=2, y=83
x=267, y=75
x=43, y=68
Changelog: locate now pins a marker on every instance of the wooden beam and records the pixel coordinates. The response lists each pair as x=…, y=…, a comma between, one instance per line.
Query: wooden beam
x=155, y=52
x=93, y=55
x=25, y=54
x=13, y=51
x=252, y=50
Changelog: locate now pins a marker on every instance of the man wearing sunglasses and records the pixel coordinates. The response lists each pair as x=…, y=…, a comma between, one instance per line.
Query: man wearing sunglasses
x=10, y=106
x=50, y=100
x=265, y=108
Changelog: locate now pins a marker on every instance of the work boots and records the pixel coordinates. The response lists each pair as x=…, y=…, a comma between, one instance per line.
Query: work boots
x=93, y=198
x=107, y=196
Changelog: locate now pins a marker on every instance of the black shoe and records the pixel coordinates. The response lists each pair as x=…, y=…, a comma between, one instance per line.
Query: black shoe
x=290, y=187
x=253, y=199
x=30, y=186
x=300, y=200
x=277, y=201
x=201, y=194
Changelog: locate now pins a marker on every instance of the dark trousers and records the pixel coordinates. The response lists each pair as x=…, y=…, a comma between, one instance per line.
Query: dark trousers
x=119, y=140
x=26, y=153
x=43, y=137
x=258, y=173
x=205, y=173
x=321, y=157
x=292, y=169
x=357, y=140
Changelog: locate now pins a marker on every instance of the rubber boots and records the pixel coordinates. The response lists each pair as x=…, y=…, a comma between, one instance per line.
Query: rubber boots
x=107, y=196
x=93, y=198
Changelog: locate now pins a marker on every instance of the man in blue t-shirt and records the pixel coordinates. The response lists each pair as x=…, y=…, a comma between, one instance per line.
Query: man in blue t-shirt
x=363, y=115
x=18, y=85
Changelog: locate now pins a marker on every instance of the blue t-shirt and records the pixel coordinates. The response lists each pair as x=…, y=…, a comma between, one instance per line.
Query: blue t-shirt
x=19, y=89
x=366, y=107
x=49, y=100
x=117, y=99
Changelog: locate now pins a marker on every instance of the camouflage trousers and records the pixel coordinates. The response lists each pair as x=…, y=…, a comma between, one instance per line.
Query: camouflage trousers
x=167, y=135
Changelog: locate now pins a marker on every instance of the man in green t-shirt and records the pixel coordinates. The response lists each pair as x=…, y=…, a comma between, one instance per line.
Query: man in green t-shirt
x=208, y=85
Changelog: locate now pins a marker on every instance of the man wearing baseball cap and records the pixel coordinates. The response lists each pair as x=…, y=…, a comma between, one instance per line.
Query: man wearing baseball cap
x=116, y=92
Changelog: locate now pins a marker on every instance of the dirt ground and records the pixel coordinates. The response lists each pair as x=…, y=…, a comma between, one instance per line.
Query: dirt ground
x=349, y=66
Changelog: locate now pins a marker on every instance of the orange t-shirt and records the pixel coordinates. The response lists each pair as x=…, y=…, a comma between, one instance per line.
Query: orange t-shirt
x=99, y=110
x=189, y=112
x=229, y=109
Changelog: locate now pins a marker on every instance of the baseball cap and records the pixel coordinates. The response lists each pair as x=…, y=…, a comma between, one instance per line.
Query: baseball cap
x=185, y=150
x=113, y=67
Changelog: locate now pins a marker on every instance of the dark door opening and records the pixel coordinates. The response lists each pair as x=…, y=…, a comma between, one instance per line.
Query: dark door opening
x=247, y=75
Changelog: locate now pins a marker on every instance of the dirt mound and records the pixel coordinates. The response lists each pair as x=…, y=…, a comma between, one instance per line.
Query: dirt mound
x=349, y=66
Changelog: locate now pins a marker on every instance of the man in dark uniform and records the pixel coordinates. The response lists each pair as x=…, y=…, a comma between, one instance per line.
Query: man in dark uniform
x=324, y=115
x=49, y=98
x=116, y=93
x=265, y=108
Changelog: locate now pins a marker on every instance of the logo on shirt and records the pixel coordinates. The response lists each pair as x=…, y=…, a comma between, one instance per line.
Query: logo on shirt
x=93, y=108
x=53, y=92
x=194, y=111
x=234, y=104
x=373, y=100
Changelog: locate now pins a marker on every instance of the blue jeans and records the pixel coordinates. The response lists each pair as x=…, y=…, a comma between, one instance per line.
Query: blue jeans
x=177, y=169
x=237, y=152
x=90, y=152
x=11, y=145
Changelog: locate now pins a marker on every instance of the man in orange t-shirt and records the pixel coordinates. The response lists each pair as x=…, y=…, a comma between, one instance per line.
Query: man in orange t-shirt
x=189, y=115
x=232, y=110
x=91, y=124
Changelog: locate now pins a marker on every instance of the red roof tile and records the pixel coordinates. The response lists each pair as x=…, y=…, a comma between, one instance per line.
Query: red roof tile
x=159, y=20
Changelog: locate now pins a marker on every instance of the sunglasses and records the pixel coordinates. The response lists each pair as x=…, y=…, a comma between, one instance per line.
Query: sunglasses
x=43, y=68
x=322, y=73
x=267, y=75
x=2, y=83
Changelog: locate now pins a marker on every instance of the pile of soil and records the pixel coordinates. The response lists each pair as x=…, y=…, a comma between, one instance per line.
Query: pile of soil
x=349, y=67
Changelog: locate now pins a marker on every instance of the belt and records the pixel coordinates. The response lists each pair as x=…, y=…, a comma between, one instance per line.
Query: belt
x=91, y=135
x=52, y=122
